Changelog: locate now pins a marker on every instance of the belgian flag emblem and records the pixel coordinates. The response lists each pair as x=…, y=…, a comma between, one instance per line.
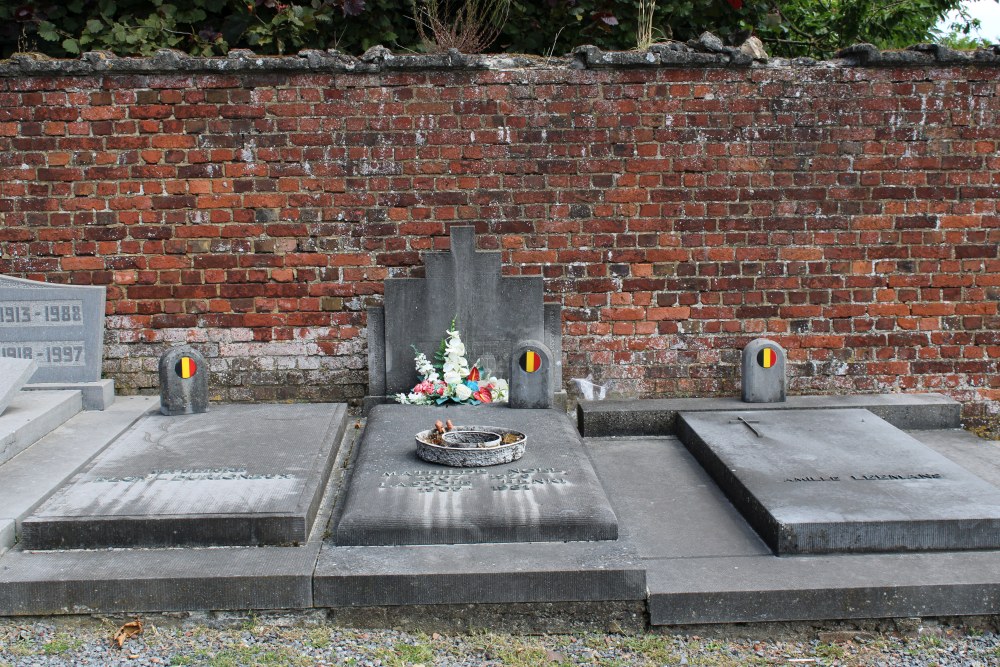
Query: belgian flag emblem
x=530, y=361
x=767, y=357
x=186, y=367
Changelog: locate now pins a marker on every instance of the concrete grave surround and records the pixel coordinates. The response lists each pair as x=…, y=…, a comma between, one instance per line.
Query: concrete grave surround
x=494, y=313
x=827, y=481
x=683, y=549
x=659, y=416
x=551, y=494
x=239, y=475
x=763, y=383
x=59, y=326
x=14, y=374
x=183, y=395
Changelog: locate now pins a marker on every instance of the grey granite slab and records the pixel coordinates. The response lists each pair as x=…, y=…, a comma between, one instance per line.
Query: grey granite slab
x=823, y=481
x=596, y=419
x=97, y=395
x=33, y=475
x=14, y=374
x=551, y=494
x=59, y=326
x=792, y=588
x=32, y=415
x=478, y=573
x=667, y=505
x=238, y=475
x=136, y=580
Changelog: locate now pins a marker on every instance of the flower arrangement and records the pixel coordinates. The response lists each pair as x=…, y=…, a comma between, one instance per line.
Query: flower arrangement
x=451, y=378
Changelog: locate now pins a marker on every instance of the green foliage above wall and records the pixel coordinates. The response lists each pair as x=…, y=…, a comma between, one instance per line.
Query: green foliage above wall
x=545, y=27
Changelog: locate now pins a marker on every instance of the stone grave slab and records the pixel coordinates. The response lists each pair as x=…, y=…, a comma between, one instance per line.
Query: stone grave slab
x=14, y=374
x=238, y=475
x=59, y=326
x=552, y=494
x=827, y=481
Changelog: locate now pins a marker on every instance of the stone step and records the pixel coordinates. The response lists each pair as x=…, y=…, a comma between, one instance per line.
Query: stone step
x=759, y=589
x=97, y=395
x=33, y=415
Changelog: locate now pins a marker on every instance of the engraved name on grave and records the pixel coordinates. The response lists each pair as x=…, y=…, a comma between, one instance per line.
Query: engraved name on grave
x=61, y=327
x=511, y=479
x=884, y=477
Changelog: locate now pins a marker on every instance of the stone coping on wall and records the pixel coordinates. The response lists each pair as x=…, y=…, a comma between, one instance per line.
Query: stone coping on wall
x=704, y=52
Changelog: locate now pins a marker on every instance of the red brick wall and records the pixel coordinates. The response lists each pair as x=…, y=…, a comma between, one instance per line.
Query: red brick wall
x=851, y=214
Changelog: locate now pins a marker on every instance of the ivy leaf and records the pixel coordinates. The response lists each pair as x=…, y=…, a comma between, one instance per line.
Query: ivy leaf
x=93, y=25
x=71, y=45
x=47, y=31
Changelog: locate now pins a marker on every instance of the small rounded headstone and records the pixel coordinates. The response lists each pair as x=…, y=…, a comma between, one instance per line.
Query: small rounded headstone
x=531, y=376
x=764, y=379
x=183, y=382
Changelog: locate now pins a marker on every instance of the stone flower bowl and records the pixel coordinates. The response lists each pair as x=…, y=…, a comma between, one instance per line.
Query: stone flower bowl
x=465, y=453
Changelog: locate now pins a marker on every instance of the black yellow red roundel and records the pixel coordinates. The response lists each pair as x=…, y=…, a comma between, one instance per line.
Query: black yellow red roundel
x=531, y=361
x=767, y=357
x=186, y=367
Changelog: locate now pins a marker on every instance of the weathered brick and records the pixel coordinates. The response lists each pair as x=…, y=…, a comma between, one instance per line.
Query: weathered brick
x=244, y=210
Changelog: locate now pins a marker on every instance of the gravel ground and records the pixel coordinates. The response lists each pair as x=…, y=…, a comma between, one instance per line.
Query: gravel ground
x=282, y=640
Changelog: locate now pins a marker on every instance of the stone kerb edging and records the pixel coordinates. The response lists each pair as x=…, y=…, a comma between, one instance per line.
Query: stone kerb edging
x=706, y=51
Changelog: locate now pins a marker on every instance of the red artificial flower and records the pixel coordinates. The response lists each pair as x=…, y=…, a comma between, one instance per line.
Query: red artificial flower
x=483, y=396
x=473, y=374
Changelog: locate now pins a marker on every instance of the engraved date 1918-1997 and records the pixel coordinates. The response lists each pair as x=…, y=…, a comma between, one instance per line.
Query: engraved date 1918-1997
x=47, y=353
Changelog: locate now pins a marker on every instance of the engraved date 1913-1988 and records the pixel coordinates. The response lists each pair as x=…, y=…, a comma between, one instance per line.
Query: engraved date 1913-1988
x=41, y=313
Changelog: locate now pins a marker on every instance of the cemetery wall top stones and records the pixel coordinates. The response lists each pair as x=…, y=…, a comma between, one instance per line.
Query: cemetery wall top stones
x=703, y=53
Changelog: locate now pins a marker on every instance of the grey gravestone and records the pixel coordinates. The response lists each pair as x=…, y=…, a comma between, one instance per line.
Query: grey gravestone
x=183, y=382
x=59, y=326
x=531, y=376
x=239, y=475
x=14, y=374
x=824, y=481
x=551, y=494
x=493, y=313
x=764, y=372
